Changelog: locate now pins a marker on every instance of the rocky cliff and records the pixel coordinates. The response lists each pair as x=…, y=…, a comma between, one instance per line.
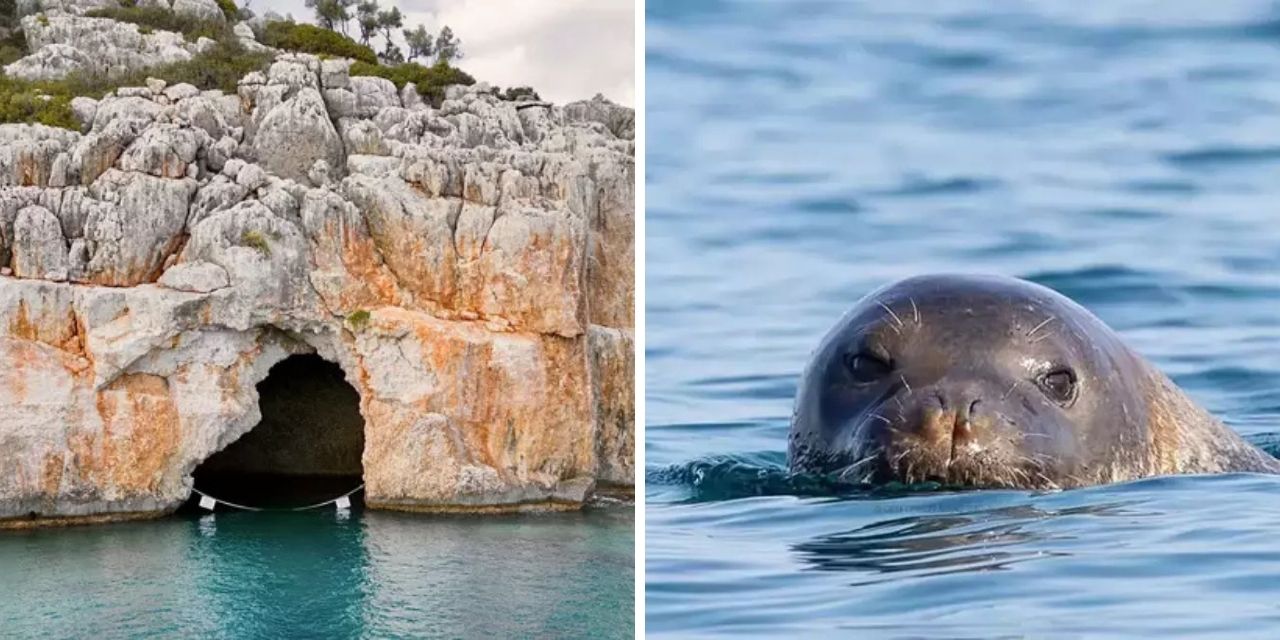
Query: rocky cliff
x=469, y=267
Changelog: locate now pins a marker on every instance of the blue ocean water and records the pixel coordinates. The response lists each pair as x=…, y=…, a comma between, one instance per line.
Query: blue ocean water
x=801, y=153
x=317, y=575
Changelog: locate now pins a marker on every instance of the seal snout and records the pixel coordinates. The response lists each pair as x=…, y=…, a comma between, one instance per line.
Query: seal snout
x=954, y=422
x=949, y=432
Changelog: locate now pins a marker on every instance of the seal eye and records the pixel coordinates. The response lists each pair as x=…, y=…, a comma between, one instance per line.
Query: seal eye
x=1059, y=385
x=866, y=368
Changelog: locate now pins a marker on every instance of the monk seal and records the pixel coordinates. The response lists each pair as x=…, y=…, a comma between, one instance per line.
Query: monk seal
x=987, y=381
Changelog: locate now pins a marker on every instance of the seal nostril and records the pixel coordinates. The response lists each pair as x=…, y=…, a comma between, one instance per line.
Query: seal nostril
x=962, y=428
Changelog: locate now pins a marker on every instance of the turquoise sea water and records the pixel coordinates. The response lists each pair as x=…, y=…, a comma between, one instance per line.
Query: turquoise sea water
x=801, y=153
x=318, y=575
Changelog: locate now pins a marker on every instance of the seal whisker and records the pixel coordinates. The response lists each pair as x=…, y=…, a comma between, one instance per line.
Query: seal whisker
x=1011, y=388
x=904, y=383
x=916, y=312
x=881, y=418
x=1052, y=485
x=1041, y=325
x=896, y=319
x=853, y=467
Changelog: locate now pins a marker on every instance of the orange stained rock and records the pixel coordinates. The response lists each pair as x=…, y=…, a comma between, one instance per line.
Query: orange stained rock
x=140, y=430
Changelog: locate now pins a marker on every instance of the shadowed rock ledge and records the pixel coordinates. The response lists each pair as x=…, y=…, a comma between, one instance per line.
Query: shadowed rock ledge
x=469, y=267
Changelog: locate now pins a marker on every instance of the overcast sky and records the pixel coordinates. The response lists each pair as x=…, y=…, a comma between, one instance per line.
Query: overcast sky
x=565, y=49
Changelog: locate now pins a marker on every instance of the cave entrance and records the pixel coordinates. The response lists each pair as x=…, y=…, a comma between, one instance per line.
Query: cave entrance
x=307, y=448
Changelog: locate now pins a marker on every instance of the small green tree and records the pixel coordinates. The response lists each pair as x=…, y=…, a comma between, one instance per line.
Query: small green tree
x=448, y=47
x=8, y=13
x=388, y=22
x=367, y=19
x=421, y=44
x=393, y=54
x=330, y=14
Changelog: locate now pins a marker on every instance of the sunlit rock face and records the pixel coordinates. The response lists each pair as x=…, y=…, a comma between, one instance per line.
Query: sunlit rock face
x=469, y=268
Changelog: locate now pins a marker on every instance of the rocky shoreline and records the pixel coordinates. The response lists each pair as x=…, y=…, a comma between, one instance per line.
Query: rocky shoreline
x=470, y=267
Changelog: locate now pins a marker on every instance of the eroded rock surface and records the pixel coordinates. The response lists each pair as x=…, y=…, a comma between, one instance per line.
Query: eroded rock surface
x=470, y=268
x=62, y=43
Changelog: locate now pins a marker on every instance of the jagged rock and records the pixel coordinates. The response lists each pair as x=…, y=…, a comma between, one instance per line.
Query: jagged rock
x=128, y=246
x=39, y=250
x=470, y=269
x=620, y=120
x=341, y=103
x=410, y=98
x=28, y=153
x=297, y=133
x=78, y=261
x=265, y=257
x=294, y=72
x=373, y=94
x=98, y=151
x=196, y=277
x=252, y=177
x=219, y=194
x=84, y=110
x=163, y=150
x=613, y=377
x=63, y=43
x=28, y=7
x=50, y=62
x=362, y=137
x=377, y=166
x=335, y=73
x=200, y=9
x=181, y=91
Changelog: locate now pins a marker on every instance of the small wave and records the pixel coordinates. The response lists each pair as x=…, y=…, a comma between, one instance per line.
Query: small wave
x=1224, y=155
x=747, y=475
x=764, y=473
x=1268, y=442
x=781, y=387
x=1107, y=283
x=922, y=186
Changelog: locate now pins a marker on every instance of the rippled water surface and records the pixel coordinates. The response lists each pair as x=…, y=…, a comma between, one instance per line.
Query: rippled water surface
x=312, y=575
x=802, y=153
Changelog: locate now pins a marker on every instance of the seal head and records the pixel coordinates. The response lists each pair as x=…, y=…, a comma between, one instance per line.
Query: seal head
x=994, y=382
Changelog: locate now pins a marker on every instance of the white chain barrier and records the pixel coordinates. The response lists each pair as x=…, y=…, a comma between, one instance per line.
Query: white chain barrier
x=209, y=503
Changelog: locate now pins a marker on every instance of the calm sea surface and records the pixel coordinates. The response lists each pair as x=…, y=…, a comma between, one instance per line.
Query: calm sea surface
x=315, y=575
x=1124, y=153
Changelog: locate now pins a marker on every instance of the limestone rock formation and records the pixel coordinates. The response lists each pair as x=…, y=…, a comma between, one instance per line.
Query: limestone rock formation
x=65, y=42
x=469, y=267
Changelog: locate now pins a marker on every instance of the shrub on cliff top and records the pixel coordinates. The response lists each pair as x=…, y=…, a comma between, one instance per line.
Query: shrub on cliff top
x=12, y=47
x=430, y=81
x=519, y=94
x=19, y=102
x=164, y=20
x=308, y=38
x=8, y=13
x=229, y=9
x=49, y=102
x=221, y=67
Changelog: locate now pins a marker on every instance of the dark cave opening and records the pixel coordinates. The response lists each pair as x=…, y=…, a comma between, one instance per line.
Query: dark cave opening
x=306, y=449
